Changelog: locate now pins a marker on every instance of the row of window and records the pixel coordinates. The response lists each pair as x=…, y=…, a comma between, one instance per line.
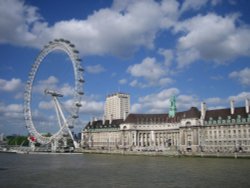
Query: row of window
x=229, y=131
x=239, y=133
x=156, y=126
x=228, y=143
x=228, y=121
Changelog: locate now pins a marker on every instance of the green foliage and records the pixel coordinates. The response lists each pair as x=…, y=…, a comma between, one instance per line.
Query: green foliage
x=47, y=135
x=17, y=140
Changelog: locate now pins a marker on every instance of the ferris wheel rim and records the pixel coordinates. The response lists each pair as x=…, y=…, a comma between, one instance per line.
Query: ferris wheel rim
x=68, y=48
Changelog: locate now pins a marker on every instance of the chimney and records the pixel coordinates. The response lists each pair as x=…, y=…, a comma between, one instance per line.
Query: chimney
x=111, y=119
x=203, y=110
x=92, y=121
x=125, y=116
x=247, y=106
x=103, y=120
x=232, y=106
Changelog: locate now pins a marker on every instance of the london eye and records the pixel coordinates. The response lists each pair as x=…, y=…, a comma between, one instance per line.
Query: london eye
x=66, y=123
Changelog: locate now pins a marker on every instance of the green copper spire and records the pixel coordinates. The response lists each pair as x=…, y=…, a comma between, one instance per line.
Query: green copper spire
x=172, y=109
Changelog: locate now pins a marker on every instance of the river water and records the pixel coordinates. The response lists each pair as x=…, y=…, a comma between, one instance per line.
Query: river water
x=100, y=170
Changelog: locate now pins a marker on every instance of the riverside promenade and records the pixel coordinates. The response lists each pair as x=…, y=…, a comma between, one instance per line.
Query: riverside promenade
x=169, y=153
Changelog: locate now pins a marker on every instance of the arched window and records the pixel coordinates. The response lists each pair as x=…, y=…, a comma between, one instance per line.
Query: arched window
x=188, y=123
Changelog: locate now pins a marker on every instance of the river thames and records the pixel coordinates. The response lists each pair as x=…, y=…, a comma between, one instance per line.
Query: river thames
x=100, y=170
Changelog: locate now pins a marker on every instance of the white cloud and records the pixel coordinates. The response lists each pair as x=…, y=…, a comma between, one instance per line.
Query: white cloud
x=165, y=81
x=232, y=2
x=212, y=37
x=41, y=85
x=243, y=76
x=151, y=72
x=163, y=95
x=156, y=102
x=119, y=30
x=187, y=57
x=193, y=4
x=214, y=100
x=159, y=102
x=109, y=31
x=217, y=77
x=19, y=95
x=135, y=83
x=171, y=13
x=216, y=107
x=154, y=83
x=11, y=118
x=136, y=108
x=185, y=102
x=50, y=80
x=45, y=105
x=66, y=90
x=95, y=69
x=16, y=108
x=52, y=83
x=148, y=69
x=216, y=2
x=168, y=56
x=123, y=81
x=45, y=122
x=17, y=25
x=215, y=103
x=240, y=97
x=10, y=85
x=129, y=25
x=197, y=4
x=92, y=107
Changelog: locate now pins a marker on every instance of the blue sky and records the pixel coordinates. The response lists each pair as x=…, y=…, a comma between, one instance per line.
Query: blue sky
x=197, y=50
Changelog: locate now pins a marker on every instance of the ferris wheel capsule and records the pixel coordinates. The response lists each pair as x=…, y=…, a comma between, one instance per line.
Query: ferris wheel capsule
x=78, y=104
x=80, y=69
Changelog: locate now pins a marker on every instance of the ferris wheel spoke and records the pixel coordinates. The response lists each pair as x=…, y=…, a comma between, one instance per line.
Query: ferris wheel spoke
x=58, y=114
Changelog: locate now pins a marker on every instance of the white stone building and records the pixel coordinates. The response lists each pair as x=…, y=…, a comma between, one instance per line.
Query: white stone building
x=220, y=130
x=117, y=106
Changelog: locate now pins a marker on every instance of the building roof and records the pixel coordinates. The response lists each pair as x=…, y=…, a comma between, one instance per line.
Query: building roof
x=117, y=94
x=107, y=124
x=193, y=112
x=224, y=113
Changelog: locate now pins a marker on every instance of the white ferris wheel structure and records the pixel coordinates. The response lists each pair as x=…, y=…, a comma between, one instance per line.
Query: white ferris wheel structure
x=65, y=123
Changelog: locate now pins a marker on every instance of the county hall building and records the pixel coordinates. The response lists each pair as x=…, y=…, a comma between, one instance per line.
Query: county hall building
x=219, y=130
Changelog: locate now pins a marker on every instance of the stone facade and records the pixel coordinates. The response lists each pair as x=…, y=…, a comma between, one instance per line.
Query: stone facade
x=221, y=130
x=102, y=134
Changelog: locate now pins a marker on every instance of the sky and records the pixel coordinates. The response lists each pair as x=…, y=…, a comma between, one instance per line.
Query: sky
x=196, y=50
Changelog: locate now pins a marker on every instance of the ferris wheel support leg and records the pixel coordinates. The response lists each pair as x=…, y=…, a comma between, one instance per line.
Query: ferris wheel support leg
x=54, y=145
x=57, y=112
x=76, y=145
x=65, y=143
x=32, y=146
